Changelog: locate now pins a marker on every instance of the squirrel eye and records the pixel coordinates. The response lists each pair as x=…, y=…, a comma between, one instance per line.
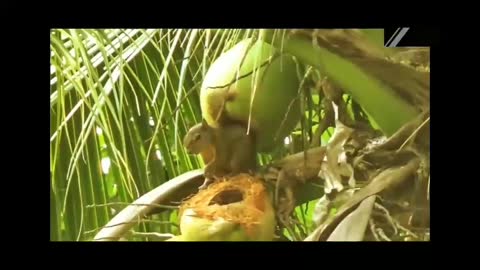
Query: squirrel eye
x=197, y=137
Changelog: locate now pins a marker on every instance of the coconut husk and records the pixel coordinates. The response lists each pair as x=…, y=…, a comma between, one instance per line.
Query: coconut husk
x=241, y=199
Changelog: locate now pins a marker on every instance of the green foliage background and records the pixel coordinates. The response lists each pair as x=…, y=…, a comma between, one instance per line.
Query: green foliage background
x=121, y=102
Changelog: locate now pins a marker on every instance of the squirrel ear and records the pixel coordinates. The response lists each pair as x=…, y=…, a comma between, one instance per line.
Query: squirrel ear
x=204, y=122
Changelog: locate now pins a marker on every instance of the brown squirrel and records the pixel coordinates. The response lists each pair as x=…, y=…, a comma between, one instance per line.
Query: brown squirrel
x=226, y=150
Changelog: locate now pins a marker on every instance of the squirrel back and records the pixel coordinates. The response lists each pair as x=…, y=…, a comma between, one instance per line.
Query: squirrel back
x=226, y=149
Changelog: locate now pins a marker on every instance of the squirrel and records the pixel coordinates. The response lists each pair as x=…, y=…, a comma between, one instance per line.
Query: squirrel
x=226, y=150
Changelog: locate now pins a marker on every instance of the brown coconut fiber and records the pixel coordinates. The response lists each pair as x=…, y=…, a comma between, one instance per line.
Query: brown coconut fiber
x=241, y=199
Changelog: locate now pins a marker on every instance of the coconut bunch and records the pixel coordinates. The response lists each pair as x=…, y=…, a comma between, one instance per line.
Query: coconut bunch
x=256, y=85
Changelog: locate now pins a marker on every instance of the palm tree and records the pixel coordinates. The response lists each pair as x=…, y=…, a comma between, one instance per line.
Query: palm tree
x=122, y=100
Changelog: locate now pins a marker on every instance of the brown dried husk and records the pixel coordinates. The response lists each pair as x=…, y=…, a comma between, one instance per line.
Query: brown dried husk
x=251, y=212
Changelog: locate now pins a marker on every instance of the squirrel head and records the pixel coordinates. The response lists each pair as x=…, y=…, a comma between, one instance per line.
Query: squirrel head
x=198, y=138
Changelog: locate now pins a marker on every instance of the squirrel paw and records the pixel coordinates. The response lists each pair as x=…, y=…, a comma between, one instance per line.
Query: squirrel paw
x=207, y=182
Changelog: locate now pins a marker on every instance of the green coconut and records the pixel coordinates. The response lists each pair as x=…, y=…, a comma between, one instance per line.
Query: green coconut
x=195, y=228
x=267, y=75
x=239, y=209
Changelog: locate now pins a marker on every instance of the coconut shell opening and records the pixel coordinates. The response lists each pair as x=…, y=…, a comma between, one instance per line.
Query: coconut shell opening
x=227, y=197
x=241, y=199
